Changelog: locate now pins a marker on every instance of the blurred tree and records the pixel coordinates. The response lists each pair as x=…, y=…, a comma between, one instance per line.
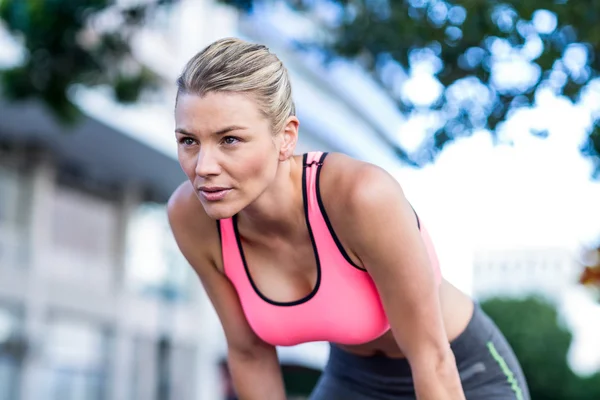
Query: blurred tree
x=71, y=42
x=541, y=343
x=467, y=43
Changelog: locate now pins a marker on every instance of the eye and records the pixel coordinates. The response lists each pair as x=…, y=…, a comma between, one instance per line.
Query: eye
x=229, y=140
x=187, y=141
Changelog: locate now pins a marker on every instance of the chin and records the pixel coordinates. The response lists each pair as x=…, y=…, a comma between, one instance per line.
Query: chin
x=219, y=211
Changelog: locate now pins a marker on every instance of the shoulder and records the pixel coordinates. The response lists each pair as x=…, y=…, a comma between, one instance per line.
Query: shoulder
x=195, y=232
x=181, y=204
x=364, y=204
x=180, y=200
x=357, y=186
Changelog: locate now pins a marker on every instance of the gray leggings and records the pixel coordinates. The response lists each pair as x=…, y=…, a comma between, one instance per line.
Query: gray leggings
x=487, y=366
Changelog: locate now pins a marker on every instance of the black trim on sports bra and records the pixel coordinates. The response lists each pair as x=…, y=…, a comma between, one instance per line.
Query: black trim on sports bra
x=326, y=218
x=219, y=230
x=417, y=216
x=312, y=241
x=328, y=222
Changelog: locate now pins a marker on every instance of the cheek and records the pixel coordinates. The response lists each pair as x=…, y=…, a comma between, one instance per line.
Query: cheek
x=261, y=166
x=187, y=163
x=257, y=167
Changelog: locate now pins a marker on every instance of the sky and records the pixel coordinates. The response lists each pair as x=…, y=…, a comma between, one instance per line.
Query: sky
x=536, y=192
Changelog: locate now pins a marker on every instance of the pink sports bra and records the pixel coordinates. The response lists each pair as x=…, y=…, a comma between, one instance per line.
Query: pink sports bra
x=344, y=307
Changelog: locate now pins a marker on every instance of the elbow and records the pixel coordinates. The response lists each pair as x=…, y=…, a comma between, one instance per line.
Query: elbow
x=242, y=354
x=439, y=365
x=437, y=377
x=248, y=350
x=446, y=367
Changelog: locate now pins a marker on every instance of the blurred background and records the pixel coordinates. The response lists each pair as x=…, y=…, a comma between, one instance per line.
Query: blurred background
x=487, y=112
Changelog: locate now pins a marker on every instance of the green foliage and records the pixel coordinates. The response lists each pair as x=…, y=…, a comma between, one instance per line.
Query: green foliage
x=466, y=40
x=299, y=380
x=71, y=42
x=541, y=342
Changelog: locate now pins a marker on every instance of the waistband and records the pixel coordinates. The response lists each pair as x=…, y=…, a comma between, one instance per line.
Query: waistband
x=465, y=346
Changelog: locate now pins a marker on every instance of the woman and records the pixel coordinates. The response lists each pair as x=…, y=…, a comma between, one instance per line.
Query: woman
x=316, y=247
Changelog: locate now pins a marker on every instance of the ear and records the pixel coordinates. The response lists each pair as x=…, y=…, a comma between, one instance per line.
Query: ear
x=289, y=138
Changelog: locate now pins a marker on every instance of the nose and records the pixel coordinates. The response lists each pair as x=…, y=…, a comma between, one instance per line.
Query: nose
x=207, y=163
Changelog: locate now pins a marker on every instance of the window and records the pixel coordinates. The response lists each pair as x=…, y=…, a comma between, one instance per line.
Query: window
x=183, y=371
x=12, y=219
x=154, y=263
x=75, y=358
x=12, y=346
x=84, y=225
x=9, y=194
x=176, y=371
x=144, y=372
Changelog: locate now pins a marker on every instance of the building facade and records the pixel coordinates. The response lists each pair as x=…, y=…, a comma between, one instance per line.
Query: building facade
x=73, y=324
x=544, y=271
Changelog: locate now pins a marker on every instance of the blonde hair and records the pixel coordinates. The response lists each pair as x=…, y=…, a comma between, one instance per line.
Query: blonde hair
x=233, y=65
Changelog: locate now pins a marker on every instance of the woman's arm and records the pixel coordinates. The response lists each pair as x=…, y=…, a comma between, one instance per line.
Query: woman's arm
x=387, y=241
x=253, y=364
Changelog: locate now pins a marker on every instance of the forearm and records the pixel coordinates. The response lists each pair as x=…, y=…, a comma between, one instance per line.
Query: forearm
x=438, y=381
x=256, y=377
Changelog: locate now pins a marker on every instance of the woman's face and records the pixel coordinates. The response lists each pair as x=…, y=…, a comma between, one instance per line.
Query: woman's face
x=226, y=149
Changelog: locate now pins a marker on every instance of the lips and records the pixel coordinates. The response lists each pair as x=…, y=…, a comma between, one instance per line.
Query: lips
x=214, y=193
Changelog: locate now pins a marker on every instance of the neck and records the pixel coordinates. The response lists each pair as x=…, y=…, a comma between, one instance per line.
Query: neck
x=279, y=211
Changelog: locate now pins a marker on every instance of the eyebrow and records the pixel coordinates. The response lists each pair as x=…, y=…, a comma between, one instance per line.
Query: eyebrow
x=218, y=133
